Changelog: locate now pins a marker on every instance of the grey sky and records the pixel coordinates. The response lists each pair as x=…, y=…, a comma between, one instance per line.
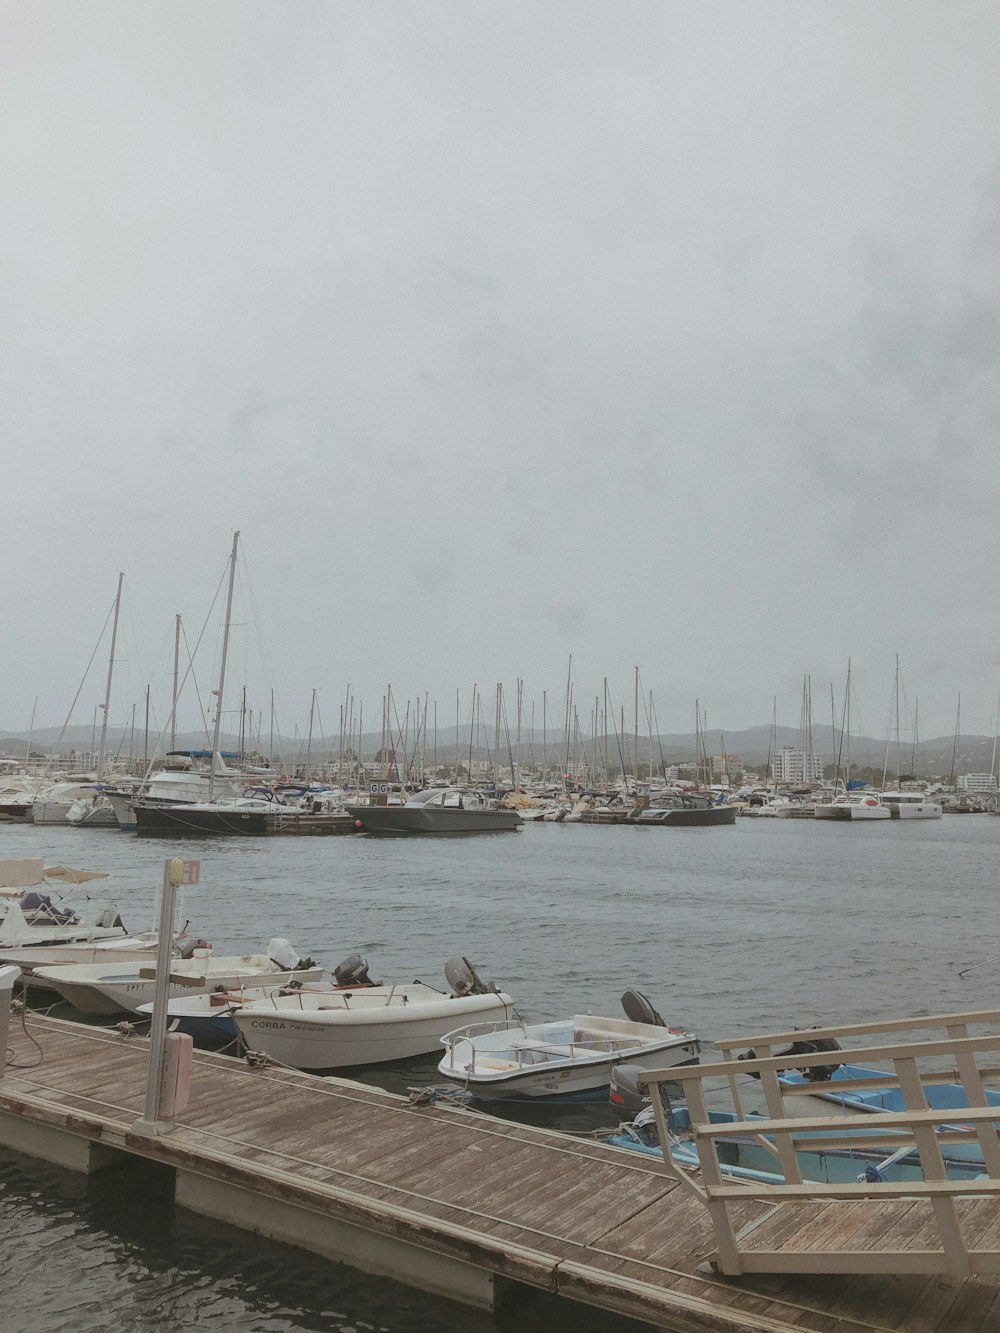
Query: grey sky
x=651, y=332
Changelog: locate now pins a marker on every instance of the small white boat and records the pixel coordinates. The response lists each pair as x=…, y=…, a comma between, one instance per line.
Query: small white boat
x=109, y=988
x=564, y=1057
x=366, y=1025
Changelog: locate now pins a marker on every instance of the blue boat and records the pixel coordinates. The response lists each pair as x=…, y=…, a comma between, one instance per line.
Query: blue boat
x=837, y=1088
x=207, y=1019
x=749, y=1159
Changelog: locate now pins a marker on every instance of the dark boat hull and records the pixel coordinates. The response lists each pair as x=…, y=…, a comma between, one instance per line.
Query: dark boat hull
x=408, y=821
x=717, y=814
x=160, y=820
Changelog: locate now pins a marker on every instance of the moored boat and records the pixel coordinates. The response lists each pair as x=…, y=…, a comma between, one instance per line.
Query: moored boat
x=685, y=809
x=911, y=805
x=255, y=814
x=889, y=1097
x=754, y=1158
x=854, y=806
x=110, y=988
x=562, y=1058
x=437, y=810
x=367, y=1024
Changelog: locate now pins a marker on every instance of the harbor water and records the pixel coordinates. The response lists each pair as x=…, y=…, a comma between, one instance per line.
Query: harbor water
x=765, y=925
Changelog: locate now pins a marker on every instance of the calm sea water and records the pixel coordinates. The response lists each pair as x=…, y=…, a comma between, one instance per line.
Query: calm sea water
x=769, y=924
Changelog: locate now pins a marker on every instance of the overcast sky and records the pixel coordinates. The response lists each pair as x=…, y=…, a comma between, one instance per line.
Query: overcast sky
x=657, y=333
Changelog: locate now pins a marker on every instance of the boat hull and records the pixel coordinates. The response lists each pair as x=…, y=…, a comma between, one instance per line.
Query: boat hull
x=569, y=1082
x=918, y=810
x=126, y=990
x=717, y=814
x=50, y=812
x=408, y=821
x=160, y=820
x=338, y=1039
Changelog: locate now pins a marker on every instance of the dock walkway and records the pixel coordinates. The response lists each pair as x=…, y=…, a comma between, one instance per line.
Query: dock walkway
x=440, y=1197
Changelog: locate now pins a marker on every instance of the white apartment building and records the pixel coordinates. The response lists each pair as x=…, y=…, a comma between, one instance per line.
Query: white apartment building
x=977, y=782
x=790, y=766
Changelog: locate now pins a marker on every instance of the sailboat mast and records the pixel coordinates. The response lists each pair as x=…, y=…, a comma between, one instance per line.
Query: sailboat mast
x=31, y=732
x=107, y=691
x=270, y=757
x=309, y=741
x=177, y=663
x=222, y=665
x=899, y=764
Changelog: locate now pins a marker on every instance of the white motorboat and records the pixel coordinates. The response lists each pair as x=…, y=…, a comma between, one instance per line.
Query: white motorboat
x=209, y=1018
x=855, y=805
x=29, y=916
x=565, y=1057
x=53, y=805
x=367, y=1024
x=109, y=988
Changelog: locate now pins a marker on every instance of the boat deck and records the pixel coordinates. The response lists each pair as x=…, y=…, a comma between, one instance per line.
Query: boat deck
x=570, y=1216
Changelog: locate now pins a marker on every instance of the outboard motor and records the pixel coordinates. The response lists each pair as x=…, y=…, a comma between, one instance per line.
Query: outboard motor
x=353, y=971
x=639, y=1010
x=188, y=950
x=625, y=1094
x=805, y=1046
x=465, y=980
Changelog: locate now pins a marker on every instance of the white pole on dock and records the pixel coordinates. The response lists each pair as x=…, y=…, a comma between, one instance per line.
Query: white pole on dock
x=173, y=875
x=8, y=975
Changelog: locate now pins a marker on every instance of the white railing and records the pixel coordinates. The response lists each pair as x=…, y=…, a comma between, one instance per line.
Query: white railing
x=960, y=1250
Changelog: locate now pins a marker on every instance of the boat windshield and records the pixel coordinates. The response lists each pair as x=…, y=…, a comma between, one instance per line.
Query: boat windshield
x=424, y=797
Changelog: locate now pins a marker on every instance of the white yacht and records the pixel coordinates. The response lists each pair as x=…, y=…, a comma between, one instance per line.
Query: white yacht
x=855, y=805
x=911, y=805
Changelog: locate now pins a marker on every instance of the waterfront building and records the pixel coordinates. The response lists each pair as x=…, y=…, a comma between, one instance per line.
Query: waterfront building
x=793, y=766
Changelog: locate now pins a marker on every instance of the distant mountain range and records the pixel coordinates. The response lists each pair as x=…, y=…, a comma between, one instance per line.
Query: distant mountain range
x=974, y=754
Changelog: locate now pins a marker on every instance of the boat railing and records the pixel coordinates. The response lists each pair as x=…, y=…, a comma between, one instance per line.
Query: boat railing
x=466, y=1034
x=943, y=1205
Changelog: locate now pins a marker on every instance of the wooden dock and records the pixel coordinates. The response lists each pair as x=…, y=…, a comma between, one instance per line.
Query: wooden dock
x=453, y=1202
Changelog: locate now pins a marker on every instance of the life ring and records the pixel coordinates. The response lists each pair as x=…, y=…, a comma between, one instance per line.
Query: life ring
x=871, y=801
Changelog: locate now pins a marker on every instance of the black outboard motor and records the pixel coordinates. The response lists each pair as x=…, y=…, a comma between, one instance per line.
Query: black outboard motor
x=626, y=1095
x=805, y=1046
x=353, y=971
x=639, y=1010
